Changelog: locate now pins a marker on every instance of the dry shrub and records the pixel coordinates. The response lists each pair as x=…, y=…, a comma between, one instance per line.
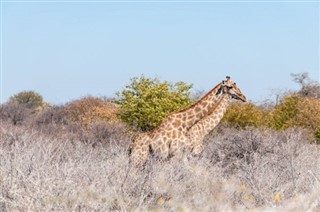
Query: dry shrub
x=309, y=87
x=239, y=170
x=267, y=164
x=101, y=133
x=310, y=91
x=91, y=109
x=54, y=123
x=15, y=113
x=109, y=132
x=56, y=115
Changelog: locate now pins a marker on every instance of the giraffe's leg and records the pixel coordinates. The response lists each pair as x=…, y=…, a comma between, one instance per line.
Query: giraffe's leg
x=160, y=146
x=160, y=150
x=139, y=150
x=190, y=143
x=174, y=148
x=178, y=146
x=195, y=142
x=139, y=156
x=197, y=149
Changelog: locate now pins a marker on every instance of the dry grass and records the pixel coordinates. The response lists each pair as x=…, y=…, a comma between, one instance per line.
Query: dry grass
x=239, y=170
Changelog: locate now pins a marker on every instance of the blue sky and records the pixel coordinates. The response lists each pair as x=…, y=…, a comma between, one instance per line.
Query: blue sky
x=67, y=50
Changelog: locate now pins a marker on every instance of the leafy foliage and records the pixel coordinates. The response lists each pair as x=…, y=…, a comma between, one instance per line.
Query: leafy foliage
x=30, y=99
x=89, y=110
x=317, y=135
x=241, y=115
x=308, y=115
x=296, y=111
x=145, y=102
x=283, y=115
x=292, y=111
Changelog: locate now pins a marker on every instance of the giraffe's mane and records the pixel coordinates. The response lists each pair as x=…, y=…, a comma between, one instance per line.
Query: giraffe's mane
x=196, y=102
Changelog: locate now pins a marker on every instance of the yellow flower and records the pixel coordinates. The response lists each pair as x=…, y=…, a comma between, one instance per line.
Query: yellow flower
x=276, y=198
x=160, y=201
x=246, y=197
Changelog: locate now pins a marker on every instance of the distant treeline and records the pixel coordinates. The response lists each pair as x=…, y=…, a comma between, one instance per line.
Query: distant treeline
x=145, y=102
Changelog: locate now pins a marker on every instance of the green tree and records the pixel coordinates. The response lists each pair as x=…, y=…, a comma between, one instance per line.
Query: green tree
x=284, y=114
x=30, y=99
x=145, y=102
x=242, y=115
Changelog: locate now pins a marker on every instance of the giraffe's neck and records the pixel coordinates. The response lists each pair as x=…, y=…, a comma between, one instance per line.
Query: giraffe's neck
x=192, y=114
x=212, y=119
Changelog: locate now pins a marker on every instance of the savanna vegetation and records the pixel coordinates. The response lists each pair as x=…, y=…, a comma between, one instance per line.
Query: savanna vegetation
x=74, y=157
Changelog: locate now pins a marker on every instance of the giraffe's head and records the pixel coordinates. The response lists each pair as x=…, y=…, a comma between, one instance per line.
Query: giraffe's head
x=230, y=87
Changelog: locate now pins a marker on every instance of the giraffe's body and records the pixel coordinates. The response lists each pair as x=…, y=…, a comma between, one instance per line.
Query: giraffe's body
x=172, y=134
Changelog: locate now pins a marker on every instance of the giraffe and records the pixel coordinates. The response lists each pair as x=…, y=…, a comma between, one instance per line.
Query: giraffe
x=173, y=129
x=198, y=131
x=177, y=123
